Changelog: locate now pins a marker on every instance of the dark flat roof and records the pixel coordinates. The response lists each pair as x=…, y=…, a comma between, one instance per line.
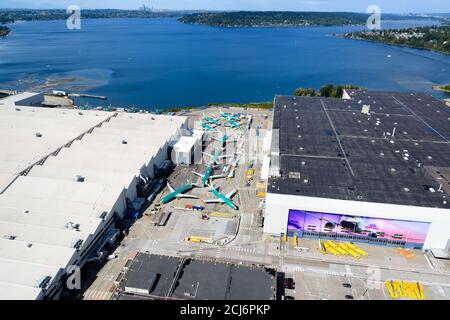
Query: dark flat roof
x=203, y=280
x=197, y=279
x=145, y=267
x=328, y=148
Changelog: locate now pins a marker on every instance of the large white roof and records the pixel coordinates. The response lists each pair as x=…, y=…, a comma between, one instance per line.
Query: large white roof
x=38, y=210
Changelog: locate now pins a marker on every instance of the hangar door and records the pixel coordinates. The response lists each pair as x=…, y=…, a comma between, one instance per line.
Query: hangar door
x=410, y=234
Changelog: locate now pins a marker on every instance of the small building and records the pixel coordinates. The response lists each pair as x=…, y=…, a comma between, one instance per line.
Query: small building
x=188, y=149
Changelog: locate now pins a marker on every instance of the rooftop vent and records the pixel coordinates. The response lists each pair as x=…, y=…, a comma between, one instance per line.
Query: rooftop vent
x=73, y=226
x=38, y=135
x=365, y=109
x=17, y=109
x=29, y=245
x=79, y=178
x=44, y=283
x=294, y=175
x=78, y=244
x=26, y=211
x=10, y=237
x=124, y=141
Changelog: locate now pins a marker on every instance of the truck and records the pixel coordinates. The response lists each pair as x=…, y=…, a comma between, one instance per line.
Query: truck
x=250, y=174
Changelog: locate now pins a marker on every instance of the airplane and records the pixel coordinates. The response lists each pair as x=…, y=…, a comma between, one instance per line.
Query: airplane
x=207, y=127
x=222, y=198
x=175, y=194
x=207, y=176
x=211, y=120
x=223, y=140
x=229, y=116
x=233, y=124
x=216, y=156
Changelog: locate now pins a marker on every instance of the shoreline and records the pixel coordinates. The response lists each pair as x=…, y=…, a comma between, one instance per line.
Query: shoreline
x=264, y=105
x=343, y=36
x=439, y=88
x=5, y=32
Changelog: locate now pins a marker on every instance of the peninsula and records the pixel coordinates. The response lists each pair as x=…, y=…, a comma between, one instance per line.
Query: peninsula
x=274, y=19
x=435, y=38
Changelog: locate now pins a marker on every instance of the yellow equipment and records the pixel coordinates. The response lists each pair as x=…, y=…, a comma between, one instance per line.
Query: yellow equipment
x=392, y=291
x=398, y=285
x=262, y=194
x=196, y=239
x=420, y=293
x=356, y=249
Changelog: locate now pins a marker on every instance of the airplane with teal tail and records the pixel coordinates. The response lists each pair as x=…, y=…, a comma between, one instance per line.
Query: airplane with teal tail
x=179, y=193
x=207, y=176
x=223, y=140
x=216, y=156
x=234, y=124
x=229, y=116
x=221, y=198
x=211, y=120
x=207, y=127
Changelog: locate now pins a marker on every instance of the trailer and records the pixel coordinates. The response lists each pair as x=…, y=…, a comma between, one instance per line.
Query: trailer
x=164, y=218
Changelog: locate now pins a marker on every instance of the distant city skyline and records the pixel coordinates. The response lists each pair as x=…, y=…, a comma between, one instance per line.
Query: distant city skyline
x=388, y=6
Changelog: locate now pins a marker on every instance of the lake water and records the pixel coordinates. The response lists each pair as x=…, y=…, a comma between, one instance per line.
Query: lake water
x=158, y=63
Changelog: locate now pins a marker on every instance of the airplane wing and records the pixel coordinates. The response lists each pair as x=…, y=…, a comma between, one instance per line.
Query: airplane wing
x=170, y=187
x=198, y=174
x=218, y=176
x=186, y=196
x=213, y=201
x=231, y=194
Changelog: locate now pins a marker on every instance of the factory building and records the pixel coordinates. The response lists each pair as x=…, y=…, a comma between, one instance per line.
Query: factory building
x=373, y=168
x=66, y=177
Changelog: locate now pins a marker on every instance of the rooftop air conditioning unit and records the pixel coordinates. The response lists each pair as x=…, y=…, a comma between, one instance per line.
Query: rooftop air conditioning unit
x=79, y=178
x=365, y=109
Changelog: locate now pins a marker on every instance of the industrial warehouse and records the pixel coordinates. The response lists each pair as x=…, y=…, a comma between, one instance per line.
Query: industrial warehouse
x=372, y=167
x=66, y=176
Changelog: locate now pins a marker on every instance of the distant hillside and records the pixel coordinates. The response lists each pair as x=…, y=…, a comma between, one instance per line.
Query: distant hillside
x=289, y=19
x=7, y=16
x=274, y=19
x=436, y=38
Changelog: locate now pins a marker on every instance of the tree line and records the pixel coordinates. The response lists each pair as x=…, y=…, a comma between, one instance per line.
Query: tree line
x=326, y=91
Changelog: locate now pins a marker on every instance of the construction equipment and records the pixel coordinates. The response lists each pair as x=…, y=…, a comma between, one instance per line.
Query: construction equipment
x=404, y=289
x=392, y=291
x=356, y=249
x=196, y=239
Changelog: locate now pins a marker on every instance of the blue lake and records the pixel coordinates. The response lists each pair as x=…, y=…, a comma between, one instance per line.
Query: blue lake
x=158, y=63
